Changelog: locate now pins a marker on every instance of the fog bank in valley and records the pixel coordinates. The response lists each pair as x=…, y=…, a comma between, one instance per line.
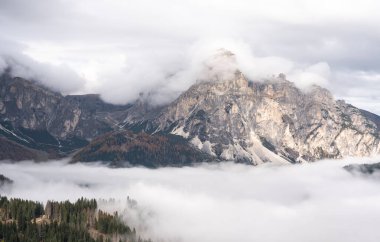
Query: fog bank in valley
x=219, y=202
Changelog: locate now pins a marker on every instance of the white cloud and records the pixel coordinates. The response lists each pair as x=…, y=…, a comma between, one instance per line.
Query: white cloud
x=225, y=202
x=318, y=74
x=56, y=77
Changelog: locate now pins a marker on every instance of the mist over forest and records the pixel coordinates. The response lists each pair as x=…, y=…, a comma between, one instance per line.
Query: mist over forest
x=218, y=202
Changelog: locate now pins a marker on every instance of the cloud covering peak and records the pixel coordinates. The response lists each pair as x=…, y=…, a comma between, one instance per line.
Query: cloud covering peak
x=120, y=49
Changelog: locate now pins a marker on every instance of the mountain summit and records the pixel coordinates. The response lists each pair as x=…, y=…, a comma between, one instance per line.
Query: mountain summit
x=221, y=66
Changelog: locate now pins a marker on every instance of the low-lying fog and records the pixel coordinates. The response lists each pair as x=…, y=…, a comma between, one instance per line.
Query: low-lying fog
x=223, y=202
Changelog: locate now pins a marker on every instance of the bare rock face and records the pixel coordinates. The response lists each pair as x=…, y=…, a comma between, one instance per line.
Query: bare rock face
x=25, y=104
x=83, y=116
x=257, y=122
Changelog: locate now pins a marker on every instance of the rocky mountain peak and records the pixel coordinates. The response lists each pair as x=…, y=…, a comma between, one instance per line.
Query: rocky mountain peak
x=273, y=120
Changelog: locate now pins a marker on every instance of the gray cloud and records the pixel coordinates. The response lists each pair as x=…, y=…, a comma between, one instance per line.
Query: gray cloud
x=120, y=48
x=220, y=202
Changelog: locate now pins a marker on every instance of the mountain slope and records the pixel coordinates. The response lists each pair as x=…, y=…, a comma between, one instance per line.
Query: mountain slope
x=13, y=151
x=372, y=117
x=125, y=148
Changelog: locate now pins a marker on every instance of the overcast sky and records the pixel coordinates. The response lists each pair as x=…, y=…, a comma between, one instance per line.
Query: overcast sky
x=121, y=48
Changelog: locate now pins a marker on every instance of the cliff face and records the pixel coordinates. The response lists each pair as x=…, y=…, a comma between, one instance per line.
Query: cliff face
x=84, y=116
x=266, y=121
x=25, y=104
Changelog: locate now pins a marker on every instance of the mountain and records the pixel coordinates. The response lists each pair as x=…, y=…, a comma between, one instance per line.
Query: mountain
x=219, y=118
x=40, y=119
x=272, y=120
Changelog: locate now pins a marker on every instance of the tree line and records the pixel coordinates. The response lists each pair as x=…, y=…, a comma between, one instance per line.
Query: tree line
x=82, y=221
